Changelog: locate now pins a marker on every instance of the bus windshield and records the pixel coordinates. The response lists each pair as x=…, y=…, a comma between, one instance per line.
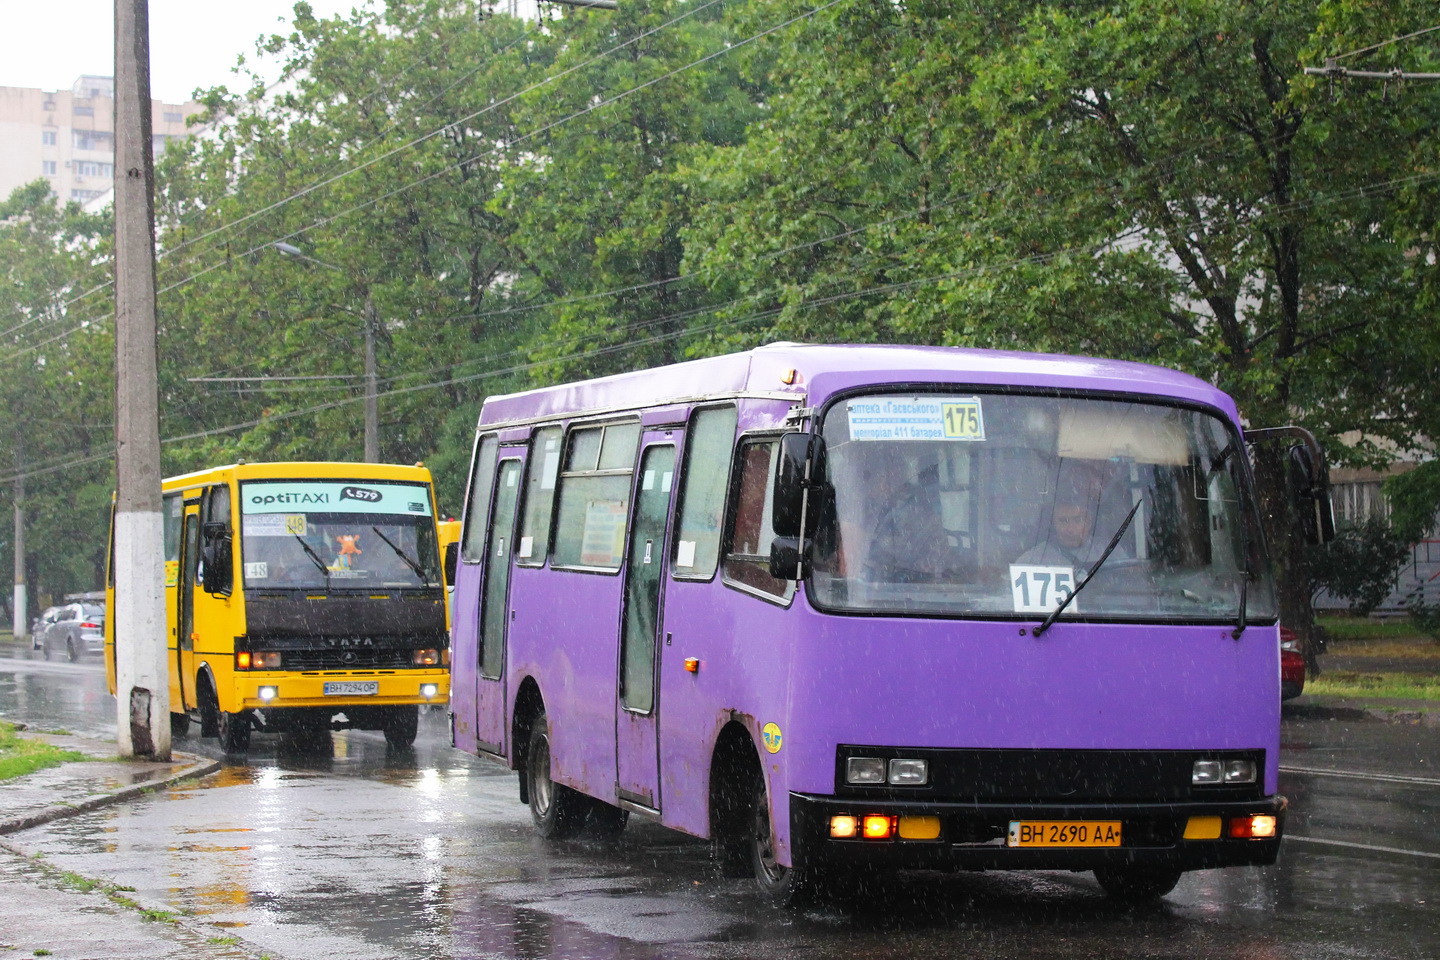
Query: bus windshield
x=335, y=535
x=999, y=505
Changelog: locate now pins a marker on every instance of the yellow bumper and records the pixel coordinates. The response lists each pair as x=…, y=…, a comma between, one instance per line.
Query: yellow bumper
x=309, y=689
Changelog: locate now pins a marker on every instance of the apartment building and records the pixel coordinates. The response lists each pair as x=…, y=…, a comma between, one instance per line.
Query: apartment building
x=68, y=136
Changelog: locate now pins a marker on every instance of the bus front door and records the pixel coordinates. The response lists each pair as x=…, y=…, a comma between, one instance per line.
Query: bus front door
x=495, y=608
x=637, y=758
x=185, y=612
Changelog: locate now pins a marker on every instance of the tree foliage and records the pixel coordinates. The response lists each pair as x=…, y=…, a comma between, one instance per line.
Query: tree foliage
x=524, y=202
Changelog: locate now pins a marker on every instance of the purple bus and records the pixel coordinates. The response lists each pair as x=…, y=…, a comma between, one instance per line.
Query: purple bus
x=879, y=607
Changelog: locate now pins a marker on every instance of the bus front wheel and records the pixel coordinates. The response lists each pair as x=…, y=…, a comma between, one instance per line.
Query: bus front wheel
x=234, y=731
x=557, y=810
x=783, y=886
x=1134, y=884
x=401, y=725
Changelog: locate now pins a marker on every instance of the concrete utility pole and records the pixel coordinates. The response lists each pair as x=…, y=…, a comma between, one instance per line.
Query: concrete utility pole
x=142, y=677
x=22, y=617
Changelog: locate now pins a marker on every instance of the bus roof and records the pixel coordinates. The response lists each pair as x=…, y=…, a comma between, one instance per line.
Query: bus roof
x=299, y=470
x=809, y=374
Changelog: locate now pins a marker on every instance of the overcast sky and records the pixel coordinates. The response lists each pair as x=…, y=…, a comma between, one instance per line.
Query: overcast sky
x=193, y=43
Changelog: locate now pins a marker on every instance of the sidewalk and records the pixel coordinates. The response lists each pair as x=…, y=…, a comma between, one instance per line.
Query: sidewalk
x=46, y=911
x=1310, y=707
x=1350, y=656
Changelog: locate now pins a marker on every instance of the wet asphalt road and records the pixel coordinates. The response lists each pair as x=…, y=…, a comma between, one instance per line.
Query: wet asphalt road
x=367, y=854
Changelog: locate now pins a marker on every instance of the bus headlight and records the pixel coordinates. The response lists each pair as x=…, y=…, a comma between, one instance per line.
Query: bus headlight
x=909, y=773
x=428, y=690
x=269, y=693
x=865, y=770
x=1240, y=771
x=426, y=658
x=1206, y=771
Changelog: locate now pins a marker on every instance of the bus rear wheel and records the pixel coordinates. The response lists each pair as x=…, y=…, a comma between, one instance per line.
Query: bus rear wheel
x=1133, y=884
x=557, y=810
x=401, y=725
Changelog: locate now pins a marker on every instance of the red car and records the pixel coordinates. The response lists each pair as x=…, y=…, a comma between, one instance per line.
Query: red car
x=1292, y=665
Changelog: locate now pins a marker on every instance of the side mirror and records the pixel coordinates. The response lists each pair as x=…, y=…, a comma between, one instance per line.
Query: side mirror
x=1308, y=479
x=1310, y=485
x=452, y=557
x=789, y=558
x=800, y=469
x=218, y=557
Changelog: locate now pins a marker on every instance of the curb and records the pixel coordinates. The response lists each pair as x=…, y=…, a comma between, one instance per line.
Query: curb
x=195, y=767
x=1413, y=716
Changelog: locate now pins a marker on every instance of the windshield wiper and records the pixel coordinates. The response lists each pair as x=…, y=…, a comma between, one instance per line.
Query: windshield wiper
x=1114, y=542
x=402, y=555
x=1244, y=584
x=310, y=552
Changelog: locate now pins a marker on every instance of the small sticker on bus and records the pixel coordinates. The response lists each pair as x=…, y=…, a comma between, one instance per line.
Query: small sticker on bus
x=259, y=570
x=272, y=524
x=772, y=737
x=685, y=554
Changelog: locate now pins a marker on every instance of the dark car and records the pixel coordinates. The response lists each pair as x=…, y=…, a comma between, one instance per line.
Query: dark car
x=1292, y=665
x=78, y=629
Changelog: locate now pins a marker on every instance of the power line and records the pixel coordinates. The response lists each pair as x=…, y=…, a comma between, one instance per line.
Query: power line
x=1131, y=243
x=436, y=132
x=1386, y=43
x=425, y=179
x=315, y=186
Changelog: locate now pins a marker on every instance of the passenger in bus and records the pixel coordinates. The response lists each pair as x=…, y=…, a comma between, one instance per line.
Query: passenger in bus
x=907, y=542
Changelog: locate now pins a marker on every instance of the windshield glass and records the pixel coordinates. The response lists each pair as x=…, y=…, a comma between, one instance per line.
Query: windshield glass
x=998, y=505
x=314, y=534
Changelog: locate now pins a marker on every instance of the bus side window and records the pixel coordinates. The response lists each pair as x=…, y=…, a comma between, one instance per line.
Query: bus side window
x=172, y=513
x=595, y=496
x=541, y=474
x=482, y=479
x=747, y=554
x=702, y=492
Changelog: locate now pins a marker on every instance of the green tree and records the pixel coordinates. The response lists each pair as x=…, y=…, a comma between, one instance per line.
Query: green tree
x=56, y=386
x=377, y=164
x=591, y=201
x=1158, y=182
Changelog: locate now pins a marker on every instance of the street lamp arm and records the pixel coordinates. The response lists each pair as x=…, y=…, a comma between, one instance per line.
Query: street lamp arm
x=290, y=250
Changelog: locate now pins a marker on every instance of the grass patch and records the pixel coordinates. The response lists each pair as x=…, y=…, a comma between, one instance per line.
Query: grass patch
x=1400, y=686
x=19, y=756
x=1395, y=649
x=1366, y=628
x=76, y=882
x=224, y=941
